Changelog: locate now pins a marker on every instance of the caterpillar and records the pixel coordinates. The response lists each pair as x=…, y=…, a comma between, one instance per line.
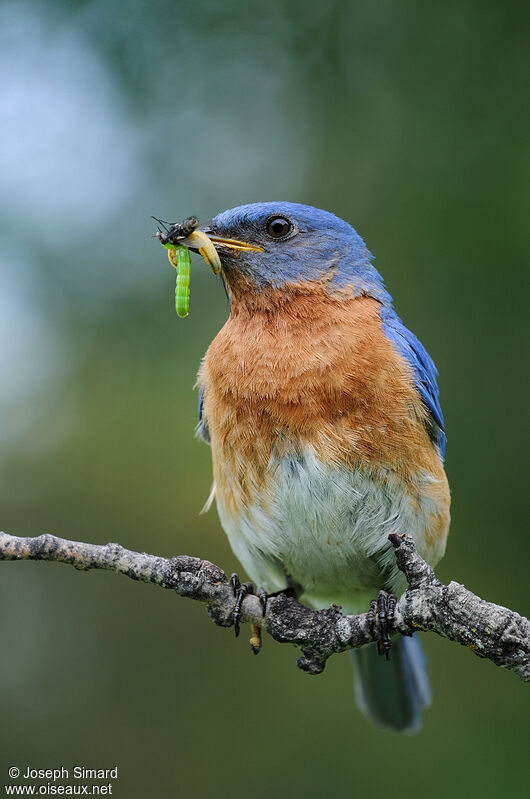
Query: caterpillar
x=172, y=237
x=179, y=257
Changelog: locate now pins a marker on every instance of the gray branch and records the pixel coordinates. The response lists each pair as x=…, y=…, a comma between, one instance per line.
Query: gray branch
x=489, y=630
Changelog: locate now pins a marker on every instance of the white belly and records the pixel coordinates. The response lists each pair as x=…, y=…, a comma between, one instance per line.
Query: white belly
x=326, y=529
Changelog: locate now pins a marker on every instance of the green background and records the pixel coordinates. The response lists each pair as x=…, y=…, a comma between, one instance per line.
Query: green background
x=408, y=119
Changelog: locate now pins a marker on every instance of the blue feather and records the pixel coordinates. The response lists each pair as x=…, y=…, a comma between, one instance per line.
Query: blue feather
x=423, y=369
x=321, y=245
x=392, y=694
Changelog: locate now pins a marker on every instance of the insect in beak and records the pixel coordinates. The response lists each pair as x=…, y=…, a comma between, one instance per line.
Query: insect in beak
x=184, y=234
x=197, y=240
x=207, y=243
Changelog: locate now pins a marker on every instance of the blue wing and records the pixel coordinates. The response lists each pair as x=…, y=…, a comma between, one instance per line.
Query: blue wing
x=202, y=428
x=424, y=371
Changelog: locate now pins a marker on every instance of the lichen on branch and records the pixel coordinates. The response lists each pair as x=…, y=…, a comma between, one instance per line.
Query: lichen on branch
x=490, y=631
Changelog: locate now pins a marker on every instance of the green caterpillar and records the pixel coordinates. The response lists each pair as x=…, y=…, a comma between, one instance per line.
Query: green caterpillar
x=179, y=257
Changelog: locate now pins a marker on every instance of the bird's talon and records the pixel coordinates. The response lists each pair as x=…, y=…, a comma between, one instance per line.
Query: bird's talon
x=241, y=590
x=381, y=615
x=235, y=584
x=262, y=596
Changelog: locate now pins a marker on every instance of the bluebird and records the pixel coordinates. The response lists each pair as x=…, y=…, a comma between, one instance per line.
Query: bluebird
x=323, y=415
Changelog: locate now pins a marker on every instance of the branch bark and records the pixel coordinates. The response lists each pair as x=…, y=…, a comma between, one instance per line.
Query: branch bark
x=490, y=631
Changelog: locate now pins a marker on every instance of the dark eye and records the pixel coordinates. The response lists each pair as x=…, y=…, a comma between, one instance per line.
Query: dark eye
x=278, y=227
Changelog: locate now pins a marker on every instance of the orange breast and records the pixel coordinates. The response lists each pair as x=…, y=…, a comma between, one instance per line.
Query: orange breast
x=299, y=368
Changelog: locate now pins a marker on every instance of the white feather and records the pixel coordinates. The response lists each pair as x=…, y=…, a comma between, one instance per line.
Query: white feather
x=326, y=528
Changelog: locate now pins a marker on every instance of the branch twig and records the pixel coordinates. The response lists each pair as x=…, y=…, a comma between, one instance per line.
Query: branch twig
x=489, y=630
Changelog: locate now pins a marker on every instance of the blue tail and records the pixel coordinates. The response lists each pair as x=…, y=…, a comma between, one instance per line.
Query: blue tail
x=392, y=693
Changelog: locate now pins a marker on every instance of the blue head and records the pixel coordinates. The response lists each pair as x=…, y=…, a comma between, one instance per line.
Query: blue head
x=278, y=243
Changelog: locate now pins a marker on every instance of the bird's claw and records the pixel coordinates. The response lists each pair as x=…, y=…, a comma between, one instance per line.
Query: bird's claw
x=262, y=597
x=381, y=615
x=241, y=590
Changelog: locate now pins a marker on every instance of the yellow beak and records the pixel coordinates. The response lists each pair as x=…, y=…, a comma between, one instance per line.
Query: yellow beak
x=206, y=245
x=234, y=244
x=201, y=242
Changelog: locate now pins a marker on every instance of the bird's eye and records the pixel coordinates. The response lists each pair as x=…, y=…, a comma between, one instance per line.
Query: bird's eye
x=278, y=227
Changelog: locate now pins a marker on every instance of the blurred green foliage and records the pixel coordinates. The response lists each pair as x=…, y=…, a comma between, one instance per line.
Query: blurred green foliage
x=406, y=118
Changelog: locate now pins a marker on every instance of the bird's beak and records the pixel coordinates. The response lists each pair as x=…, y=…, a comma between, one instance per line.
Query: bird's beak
x=201, y=243
x=206, y=243
x=234, y=244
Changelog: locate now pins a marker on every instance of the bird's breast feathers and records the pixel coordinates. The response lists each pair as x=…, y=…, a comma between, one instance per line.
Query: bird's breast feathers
x=320, y=444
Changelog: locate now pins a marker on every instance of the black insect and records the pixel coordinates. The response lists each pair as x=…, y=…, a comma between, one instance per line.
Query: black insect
x=173, y=233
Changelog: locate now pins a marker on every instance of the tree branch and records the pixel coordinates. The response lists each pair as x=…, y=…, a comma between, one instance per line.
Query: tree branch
x=489, y=630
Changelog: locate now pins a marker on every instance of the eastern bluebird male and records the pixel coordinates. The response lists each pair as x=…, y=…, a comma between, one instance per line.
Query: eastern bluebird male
x=326, y=430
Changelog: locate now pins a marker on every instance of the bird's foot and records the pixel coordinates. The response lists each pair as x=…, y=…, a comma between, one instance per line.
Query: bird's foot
x=381, y=617
x=241, y=590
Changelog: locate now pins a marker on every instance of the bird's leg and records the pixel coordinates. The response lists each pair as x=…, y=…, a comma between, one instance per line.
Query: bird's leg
x=241, y=590
x=292, y=590
x=381, y=615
